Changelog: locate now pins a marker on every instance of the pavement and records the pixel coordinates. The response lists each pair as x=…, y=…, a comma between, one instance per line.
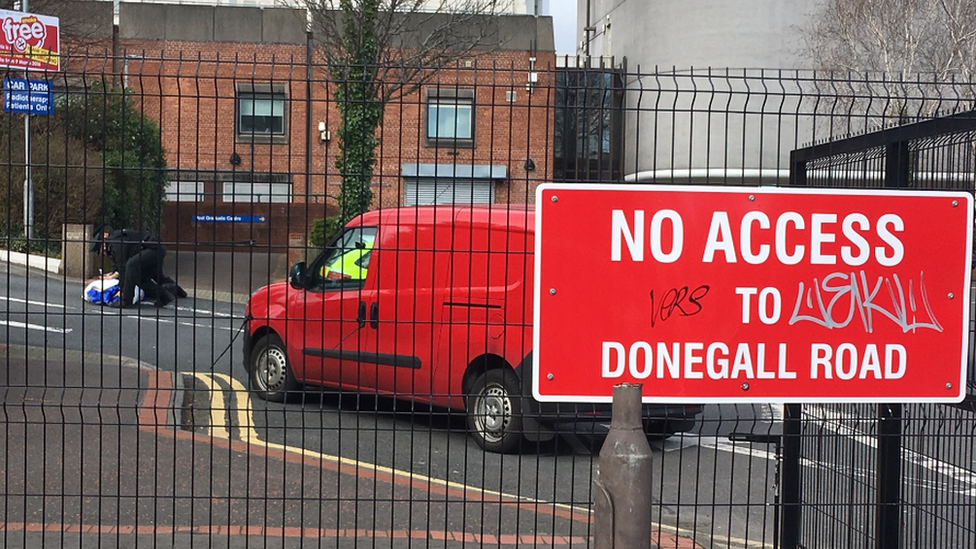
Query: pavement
x=101, y=450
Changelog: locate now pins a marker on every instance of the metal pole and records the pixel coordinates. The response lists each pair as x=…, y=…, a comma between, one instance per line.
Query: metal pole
x=888, y=510
x=790, y=483
x=28, y=184
x=622, y=488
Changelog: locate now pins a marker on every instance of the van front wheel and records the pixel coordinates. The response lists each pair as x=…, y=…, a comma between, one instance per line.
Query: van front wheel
x=270, y=370
x=495, y=411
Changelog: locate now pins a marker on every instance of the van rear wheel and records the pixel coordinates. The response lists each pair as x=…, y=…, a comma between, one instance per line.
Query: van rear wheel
x=495, y=411
x=270, y=370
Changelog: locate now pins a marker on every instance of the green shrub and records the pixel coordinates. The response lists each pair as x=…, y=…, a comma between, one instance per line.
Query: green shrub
x=129, y=145
x=67, y=180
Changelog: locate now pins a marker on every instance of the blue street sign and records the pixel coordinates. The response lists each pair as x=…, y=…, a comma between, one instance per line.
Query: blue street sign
x=230, y=218
x=27, y=96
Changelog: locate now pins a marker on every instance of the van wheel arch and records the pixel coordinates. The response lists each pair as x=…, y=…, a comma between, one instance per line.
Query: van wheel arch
x=480, y=366
x=258, y=335
x=493, y=403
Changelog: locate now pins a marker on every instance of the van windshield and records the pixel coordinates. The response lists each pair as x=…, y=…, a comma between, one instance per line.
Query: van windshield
x=346, y=263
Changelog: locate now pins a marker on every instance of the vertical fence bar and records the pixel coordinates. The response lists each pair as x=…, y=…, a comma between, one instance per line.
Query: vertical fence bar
x=789, y=525
x=789, y=534
x=888, y=522
x=798, y=171
x=897, y=165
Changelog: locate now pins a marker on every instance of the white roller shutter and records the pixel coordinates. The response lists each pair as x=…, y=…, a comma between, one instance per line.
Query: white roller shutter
x=420, y=191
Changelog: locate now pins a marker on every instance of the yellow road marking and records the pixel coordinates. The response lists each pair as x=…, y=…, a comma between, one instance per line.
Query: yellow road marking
x=244, y=419
x=218, y=417
x=249, y=434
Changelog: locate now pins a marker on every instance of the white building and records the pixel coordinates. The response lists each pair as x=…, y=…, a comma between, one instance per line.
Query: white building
x=511, y=7
x=708, y=83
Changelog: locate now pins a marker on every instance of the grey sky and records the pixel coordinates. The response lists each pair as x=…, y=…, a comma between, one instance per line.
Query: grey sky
x=564, y=25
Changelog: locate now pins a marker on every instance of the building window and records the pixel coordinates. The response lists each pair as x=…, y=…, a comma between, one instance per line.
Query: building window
x=261, y=112
x=450, y=118
x=184, y=191
x=588, y=126
x=236, y=191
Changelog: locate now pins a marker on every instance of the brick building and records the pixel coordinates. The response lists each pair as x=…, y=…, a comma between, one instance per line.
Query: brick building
x=249, y=120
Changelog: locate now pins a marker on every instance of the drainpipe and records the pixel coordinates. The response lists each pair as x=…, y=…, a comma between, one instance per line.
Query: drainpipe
x=308, y=116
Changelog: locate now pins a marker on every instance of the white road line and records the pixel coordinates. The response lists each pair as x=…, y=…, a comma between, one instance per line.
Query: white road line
x=188, y=324
x=154, y=319
x=39, y=303
x=771, y=412
x=192, y=325
x=205, y=312
x=52, y=329
x=723, y=444
x=829, y=419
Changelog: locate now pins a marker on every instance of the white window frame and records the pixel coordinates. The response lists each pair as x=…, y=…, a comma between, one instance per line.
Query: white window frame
x=247, y=97
x=449, y=118
x=264, y=193
x=184, y=191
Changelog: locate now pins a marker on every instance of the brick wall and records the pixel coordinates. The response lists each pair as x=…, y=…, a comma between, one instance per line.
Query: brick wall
x=189, y=86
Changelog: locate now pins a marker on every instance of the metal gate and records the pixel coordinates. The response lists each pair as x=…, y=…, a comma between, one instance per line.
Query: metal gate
x=885, y=475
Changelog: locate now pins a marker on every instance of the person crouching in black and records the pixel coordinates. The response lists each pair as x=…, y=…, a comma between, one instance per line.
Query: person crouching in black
x=137, y=259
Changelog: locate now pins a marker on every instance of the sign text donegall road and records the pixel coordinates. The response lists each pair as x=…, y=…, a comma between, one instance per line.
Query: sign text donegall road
x=737, y=294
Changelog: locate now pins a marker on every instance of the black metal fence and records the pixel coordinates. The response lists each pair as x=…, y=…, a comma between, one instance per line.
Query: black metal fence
x=904, y=481
x=282, y=418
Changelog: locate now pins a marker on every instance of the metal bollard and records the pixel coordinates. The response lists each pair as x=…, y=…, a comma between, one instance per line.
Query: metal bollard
x=622, y=489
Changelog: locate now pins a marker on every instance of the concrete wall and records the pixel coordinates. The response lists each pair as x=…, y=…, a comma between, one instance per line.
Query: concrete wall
x=679, y=118
x=201, y=23
x=195, y=23
x=701, y=33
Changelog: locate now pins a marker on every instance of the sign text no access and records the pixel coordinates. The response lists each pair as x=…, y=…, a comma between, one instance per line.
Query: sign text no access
x=732, y=294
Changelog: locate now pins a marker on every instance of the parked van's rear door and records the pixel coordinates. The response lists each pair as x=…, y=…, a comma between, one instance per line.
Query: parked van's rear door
x=488, y=296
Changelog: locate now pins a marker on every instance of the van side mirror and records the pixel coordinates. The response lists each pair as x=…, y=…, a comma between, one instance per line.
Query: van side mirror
x=297, y=276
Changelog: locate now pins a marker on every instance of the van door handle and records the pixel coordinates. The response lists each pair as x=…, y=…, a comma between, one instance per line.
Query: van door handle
x=361, y=315
x=374, y=315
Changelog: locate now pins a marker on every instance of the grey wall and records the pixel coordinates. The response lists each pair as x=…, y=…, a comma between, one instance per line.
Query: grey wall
x=690, y=128
x=701, y=33
x=151, y=21
x=211, y=23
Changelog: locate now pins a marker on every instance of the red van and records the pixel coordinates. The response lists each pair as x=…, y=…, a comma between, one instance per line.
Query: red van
x=431, y=304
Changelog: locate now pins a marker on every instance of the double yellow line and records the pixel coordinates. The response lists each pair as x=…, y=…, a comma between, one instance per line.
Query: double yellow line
x=245, y=425
x=218, y=409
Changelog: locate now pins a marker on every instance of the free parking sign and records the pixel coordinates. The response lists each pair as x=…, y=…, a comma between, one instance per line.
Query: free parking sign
x=737, y=294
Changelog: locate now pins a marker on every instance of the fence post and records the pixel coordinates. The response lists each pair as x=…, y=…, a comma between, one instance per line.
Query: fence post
x=888, y=519
x=77, y=261
x=789, y=534
x=622, y=488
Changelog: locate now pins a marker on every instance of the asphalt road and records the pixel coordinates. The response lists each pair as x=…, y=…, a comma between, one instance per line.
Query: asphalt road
x=406, y=468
